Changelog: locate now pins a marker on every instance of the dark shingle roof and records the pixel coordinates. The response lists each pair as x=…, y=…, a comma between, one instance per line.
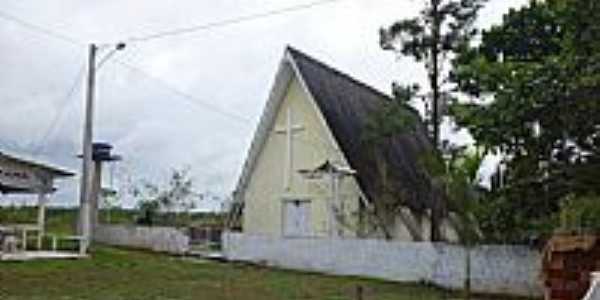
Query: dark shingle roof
x=346, y=105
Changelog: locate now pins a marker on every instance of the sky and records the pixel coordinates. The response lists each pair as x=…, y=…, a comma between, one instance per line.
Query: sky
x=191, y=100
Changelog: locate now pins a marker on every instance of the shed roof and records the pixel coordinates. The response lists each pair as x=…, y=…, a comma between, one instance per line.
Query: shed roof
x=54, y=170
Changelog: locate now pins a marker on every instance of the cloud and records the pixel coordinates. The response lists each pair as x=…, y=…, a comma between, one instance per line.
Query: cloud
x=230, y=68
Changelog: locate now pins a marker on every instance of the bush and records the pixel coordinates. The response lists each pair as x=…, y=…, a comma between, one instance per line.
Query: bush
x=580, y=214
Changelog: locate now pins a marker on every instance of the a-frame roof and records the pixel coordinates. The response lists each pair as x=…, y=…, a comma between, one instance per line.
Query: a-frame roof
x=346, y=105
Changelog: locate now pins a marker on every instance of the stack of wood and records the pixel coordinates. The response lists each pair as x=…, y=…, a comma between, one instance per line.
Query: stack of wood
x=568, y=262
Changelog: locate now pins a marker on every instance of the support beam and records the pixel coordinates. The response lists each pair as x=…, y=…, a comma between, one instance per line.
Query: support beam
x=95, y=197
x=335, y=183
x=24, y=239
x=41, y=220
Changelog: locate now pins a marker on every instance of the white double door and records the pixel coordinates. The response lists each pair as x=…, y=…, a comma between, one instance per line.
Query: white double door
x=296, y=218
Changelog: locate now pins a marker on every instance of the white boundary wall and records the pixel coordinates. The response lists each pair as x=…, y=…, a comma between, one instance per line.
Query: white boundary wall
x=511, y=270
x=159, y=239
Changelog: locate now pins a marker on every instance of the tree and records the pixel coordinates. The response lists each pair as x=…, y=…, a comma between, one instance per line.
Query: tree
x=458, y=173
x=393, y=118
x=465, y=199
x=177, y=197
x=442, y=28
x=535, y=82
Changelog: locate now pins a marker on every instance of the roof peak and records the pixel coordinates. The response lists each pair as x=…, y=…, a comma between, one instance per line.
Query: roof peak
x=296, y=52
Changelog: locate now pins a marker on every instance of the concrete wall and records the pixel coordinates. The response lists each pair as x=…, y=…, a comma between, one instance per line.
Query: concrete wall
x=159, y=239
x=512, y=270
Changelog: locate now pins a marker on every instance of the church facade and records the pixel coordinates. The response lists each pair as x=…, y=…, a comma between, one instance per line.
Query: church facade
x=308, y=173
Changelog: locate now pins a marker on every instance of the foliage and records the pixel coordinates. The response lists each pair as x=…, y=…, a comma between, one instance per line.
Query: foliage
x=465, y=193
x=580, y=214
x=458, y=174
x=393, y=118
x=535, y=80
x=417, y=36
x=173, y=201
x=441, y=30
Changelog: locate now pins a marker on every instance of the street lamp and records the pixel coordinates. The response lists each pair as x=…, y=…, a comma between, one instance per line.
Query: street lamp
x=117, y=47
x=84, y=227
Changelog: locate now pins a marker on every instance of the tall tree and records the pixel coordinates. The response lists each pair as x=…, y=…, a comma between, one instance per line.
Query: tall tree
x=172, y=200
x=536, y=83
x=442, y=29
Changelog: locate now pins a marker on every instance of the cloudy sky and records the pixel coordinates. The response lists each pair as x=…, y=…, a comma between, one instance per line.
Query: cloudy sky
x=193, y=99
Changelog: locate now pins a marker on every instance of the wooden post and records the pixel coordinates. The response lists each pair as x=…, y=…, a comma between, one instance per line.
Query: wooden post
x=359, y=292
x=41, y=221
x=336, y=202
x=95, y=197
x=24, y=239
x=330, y=206
x=54, y=243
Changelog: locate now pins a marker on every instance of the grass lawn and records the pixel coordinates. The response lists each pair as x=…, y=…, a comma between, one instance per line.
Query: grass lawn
x=115, y=274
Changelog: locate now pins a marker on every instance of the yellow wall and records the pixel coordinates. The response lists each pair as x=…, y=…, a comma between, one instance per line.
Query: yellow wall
x=265, y=192
x=311, y=147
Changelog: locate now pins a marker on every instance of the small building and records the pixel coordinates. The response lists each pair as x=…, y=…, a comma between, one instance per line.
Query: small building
x=309, y=171
x=25, y=176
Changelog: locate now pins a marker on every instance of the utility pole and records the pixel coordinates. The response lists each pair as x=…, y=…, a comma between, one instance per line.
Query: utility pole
x=84, y=189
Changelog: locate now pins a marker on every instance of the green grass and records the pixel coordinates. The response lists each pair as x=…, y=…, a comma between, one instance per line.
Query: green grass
x=115, y=274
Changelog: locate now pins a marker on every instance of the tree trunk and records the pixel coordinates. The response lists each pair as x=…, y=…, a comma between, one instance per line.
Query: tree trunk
x=435, y=213
x=467, y=287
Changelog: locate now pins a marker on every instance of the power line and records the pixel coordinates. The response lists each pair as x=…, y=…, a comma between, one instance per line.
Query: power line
x=189, y=98
x=40, y=29
x=195, y=101
x=228, y=22
x=63, y=107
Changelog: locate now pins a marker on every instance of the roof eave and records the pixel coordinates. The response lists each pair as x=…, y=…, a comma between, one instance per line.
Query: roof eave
x=55, y=171
x=277, y=93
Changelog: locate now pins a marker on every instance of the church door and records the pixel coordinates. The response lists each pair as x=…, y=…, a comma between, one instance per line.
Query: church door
x=296, y=218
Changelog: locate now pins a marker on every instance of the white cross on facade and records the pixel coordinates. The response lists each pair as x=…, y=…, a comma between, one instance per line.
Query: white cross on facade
x=289, y=131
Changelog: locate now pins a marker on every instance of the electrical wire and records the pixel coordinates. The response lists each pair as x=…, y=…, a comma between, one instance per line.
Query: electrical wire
x=185, y=96
x=58, y=117
x=40, y=29
x=228, y=22
x=190, y=99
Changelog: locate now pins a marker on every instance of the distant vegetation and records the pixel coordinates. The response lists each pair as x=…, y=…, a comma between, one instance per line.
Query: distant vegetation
x=62, y=220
